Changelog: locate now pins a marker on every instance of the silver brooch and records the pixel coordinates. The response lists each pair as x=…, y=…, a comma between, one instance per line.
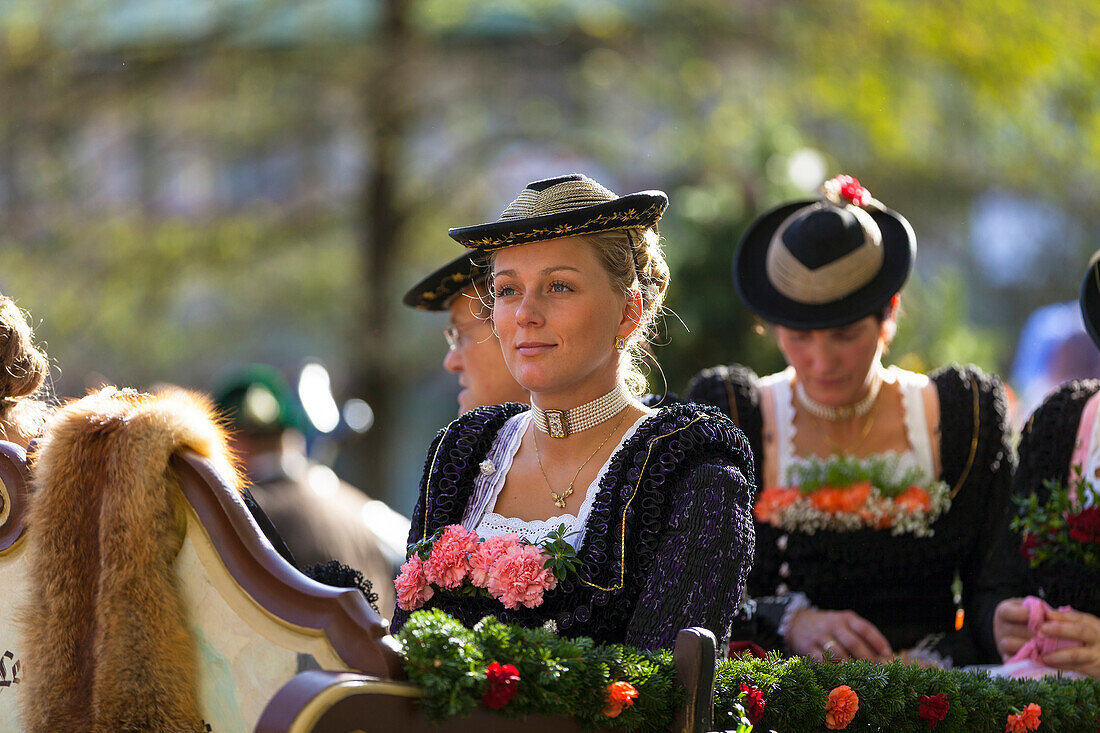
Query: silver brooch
x=487, y=467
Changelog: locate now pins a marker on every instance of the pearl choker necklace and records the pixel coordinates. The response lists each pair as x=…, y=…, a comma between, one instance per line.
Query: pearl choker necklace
x=825, y=412
x=560, y=423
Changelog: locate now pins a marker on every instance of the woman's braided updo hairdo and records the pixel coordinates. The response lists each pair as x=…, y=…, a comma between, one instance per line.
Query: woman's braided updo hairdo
x=23, y=369
x=634, y=261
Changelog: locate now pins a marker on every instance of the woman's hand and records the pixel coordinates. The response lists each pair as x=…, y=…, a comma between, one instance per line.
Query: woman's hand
x=844, y=634
x=1076, y=626
x=1010, y=630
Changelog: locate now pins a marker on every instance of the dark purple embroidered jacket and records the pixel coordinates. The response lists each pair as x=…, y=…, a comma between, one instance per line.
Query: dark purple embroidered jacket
x=668, y=543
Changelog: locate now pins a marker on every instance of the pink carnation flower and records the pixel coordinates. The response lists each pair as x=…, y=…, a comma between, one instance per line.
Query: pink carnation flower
x=519, y=578
x=450, y=558
x=481, y=562
x=413, y=589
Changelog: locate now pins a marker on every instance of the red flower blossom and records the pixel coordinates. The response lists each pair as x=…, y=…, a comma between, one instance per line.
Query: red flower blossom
x=503, y=685
x=1085, y=526
x=1027, y=547
x=933, y=708
x=752, y=698
x=620, y=695
x=849, y=189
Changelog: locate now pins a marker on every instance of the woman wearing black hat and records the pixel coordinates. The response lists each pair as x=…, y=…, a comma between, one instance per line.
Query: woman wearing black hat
x=1060, y=444
x=878, y=485
x=653, y=501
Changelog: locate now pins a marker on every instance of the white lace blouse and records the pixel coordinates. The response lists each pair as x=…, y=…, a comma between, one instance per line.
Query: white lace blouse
x=481, y=518
x=911, y=386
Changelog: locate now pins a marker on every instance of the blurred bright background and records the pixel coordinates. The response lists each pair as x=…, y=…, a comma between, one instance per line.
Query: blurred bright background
x=188, y=186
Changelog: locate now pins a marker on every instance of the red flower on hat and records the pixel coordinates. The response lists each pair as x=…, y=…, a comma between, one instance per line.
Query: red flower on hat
x=933, y=708
x=845, y=188
x=503, y=685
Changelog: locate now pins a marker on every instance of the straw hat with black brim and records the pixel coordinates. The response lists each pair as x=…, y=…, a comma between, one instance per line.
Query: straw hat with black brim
x=564, y=206
x=1090, y=299
x=437, y=290
x=824, y=263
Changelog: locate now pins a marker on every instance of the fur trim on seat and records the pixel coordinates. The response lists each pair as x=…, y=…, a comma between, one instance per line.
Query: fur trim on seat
x=107, y=646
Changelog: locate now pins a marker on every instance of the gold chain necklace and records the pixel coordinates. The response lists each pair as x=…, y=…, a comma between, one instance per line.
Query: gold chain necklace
x=559, y=500
x=863, y=433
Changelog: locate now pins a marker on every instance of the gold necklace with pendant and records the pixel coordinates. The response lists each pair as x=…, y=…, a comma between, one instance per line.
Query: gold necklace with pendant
x=559, y=499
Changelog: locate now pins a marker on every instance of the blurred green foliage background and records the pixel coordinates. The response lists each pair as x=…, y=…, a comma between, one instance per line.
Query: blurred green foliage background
x=187, y=187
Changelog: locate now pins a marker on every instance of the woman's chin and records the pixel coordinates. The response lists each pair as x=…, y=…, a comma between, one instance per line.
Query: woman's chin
x=538, y=381
x=832, y=395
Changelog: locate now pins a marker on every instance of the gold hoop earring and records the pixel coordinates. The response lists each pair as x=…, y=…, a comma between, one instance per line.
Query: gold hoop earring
x=620, y=343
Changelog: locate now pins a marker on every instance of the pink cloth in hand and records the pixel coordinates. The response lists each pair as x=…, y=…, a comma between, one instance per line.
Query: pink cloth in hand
x=1028, y=662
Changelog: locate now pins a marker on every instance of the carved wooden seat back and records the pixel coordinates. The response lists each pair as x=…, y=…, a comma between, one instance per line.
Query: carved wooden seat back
x=13, y=576
x=253, y=621
x=256, y=620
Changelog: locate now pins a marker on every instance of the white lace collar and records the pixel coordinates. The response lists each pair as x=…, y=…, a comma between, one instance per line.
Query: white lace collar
x=489, y=523
x=911, y=386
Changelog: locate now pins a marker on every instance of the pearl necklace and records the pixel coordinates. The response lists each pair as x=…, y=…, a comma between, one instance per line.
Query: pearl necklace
x=560, y=423
x=825, y=412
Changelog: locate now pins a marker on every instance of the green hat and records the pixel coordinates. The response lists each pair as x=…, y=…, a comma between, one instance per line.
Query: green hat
x=258, y=400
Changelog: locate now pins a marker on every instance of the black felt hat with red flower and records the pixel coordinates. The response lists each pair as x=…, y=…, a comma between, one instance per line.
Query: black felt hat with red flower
x=825, y=262
x=1090, y=299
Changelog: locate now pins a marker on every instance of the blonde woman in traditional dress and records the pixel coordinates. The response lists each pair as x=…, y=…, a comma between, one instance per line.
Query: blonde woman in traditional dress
x=655, y=502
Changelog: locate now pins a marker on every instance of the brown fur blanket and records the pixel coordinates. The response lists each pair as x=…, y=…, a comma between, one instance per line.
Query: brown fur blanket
x=107, y=646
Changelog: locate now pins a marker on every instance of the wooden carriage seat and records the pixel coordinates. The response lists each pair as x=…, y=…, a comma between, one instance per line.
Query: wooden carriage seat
x=183, y=579
x=13, y=576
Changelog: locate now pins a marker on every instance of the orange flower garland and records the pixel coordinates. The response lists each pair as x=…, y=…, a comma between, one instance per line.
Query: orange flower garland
x=841, y=708
x=773, y=501
x=1024, y=721
x=620, y=695
x=846, y=493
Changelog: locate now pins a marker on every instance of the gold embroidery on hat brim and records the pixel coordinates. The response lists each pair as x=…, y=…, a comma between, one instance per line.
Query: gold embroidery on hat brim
x=445, y=290
x=627, y=219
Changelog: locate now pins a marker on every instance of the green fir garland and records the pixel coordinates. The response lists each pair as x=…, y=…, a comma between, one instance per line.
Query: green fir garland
x=558, y=676
x=795, y=691
x=881, y=472
x=569, y=677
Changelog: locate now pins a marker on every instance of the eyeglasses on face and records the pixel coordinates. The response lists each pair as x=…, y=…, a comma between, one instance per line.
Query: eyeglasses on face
x=460, y=337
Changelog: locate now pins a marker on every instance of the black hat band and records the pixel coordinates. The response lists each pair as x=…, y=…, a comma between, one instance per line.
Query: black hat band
x=830, y=282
